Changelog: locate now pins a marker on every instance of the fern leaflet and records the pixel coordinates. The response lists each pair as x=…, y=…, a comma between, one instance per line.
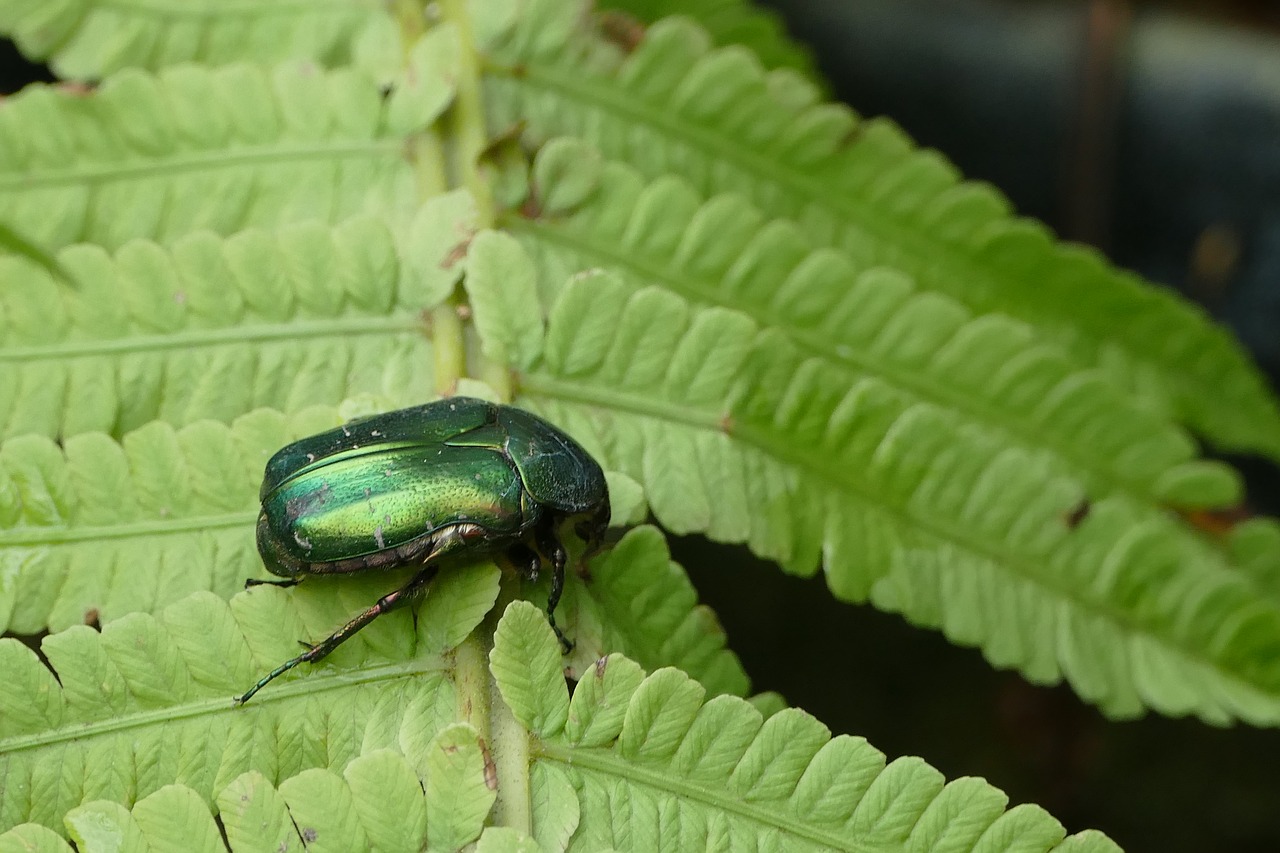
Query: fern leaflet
x=990, y=369
x=87, y=39
x=213, y=328
x=723, y=123
x=194, y=148
x=659, y=763
x=124, y=697
x=734, y=432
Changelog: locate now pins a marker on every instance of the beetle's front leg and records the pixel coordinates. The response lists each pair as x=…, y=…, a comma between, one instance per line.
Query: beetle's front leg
x=320, y=650
x=550, y=545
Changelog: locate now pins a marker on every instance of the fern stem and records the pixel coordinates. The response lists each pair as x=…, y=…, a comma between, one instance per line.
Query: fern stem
x=509, y=739
x=448, y=347
x=469, y=131
x=510, y=752
x=466, y=119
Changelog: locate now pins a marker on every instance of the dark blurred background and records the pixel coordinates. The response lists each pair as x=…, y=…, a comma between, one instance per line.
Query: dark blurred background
x=1151, y=130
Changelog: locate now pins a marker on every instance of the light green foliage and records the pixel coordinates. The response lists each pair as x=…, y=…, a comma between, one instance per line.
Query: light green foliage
x=156, y=690
x=84, y=39
x=98, y=529
x=905, y=505
x=501, y=285
x=719, y=119
x=728, y=22
x=646, y=607
x=527, y=673
x=774, y=322
x=377, y=803
x=860, y=322
x=213, y=327
x=661, y=769
x=196, y=148
x=504, y=839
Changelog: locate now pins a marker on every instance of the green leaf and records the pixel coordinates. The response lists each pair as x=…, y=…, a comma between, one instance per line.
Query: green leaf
x=989, y=370
x=564, y=175
x=719, y=119
x=388, y=798
x=436, y=246
x=522, y=665
x=600, y=700
x=87, y=40
x=160, y=157
x=660, y=712
x=255, y=816
x=102, y=825
x=650, y=610
x=731, y=22
x=214, y=328
x=501, y=285
x=32, y=838
x=681, y=769
x=555, y=806
x=177, y=818
x=626, y=500
x=375, y=756
x=318, y=798
x=458, y=796
x=428, y=83
x=736, y=432
x=95, y=530
x=455, y=604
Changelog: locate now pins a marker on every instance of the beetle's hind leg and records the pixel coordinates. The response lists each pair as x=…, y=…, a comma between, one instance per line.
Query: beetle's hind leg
x=550, y=545
x=320, y=650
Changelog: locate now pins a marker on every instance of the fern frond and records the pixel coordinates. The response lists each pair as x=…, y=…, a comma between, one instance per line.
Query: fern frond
x=378, y=802
x=990, y=370
x=730, y=22
x=87, y=39
x=378, y=759
x=97, y=529
x=715, y=117
x=124, y=697
x=213, y=328
x=658, y=763
x=162, y=156
x=147, y=702
x=733, y=431
x=641, y=603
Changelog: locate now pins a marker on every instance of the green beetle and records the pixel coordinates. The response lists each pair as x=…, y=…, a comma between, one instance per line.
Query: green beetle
x=451, y=479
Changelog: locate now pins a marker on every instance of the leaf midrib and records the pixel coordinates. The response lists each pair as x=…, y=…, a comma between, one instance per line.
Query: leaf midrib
x=231, y=335
x=663, y=779
x=18, y=537
x=318, y=681
x=568, y=391
x=195, y=161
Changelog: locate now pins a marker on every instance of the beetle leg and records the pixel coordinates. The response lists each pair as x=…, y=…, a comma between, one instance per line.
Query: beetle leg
x=320, y=650
x=286, y=582
x=550, y=545
x=525, y=559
